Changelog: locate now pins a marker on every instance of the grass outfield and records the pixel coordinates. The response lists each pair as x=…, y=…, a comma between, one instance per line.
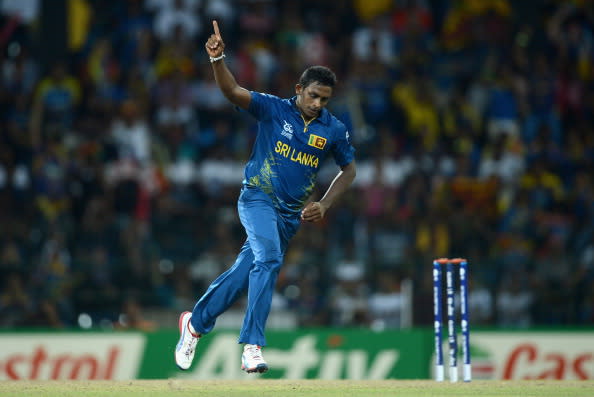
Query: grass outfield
x=294, y=388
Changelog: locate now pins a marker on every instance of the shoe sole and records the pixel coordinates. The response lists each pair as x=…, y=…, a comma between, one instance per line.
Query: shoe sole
x=260, y=368
x=181, y=337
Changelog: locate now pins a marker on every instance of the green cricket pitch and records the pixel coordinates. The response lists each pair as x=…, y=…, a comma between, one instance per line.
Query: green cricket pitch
x=294, y=388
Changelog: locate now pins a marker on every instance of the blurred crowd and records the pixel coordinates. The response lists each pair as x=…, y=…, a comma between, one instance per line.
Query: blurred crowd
x=121, y=162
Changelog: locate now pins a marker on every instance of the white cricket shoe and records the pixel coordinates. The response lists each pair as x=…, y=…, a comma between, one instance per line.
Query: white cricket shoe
x=252, y=360
x=186, y=347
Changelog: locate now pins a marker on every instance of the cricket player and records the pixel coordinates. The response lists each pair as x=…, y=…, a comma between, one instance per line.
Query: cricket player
x=294, y=137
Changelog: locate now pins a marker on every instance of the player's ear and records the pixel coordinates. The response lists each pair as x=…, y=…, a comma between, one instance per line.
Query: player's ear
x=298, y=89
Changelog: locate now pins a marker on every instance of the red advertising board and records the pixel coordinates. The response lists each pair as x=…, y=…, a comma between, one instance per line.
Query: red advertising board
x=70, y=356
x=533, y=355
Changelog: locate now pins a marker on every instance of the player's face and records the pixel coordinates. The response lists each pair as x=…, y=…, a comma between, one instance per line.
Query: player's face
x=311, y=99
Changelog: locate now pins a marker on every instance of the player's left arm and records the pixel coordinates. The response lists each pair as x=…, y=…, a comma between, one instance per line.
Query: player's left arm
x=316, y=210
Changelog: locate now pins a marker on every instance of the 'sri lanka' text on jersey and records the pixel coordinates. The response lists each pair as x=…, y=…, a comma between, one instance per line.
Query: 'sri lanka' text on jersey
x=299, y=157
x=288, y=153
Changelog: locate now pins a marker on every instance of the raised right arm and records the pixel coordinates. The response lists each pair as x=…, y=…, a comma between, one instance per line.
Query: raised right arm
x=223, y=76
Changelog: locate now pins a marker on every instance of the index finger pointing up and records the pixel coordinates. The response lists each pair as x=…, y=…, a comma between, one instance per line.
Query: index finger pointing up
x=215, y=25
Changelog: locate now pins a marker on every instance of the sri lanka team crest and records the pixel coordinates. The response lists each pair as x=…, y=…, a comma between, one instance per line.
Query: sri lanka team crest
x=316, y=141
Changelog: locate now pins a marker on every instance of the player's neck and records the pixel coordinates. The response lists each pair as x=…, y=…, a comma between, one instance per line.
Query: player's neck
x=306, y=119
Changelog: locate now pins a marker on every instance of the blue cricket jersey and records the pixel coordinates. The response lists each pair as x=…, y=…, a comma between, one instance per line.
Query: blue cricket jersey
x=288, y=154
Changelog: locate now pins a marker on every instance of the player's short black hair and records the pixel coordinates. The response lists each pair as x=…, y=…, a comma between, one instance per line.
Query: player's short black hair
x=320, y=74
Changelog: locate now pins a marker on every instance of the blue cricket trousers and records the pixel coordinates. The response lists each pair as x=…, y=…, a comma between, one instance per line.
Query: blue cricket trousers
x=256, y=268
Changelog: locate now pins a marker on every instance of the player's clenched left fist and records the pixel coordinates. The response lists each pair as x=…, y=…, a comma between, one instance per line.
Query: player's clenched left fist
x=313, y=212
